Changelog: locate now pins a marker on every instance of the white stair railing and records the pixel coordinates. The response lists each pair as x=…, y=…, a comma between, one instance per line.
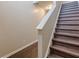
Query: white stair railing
x=46, y=29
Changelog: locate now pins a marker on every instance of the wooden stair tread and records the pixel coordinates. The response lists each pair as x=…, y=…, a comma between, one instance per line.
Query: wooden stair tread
x=66, y=50
x=70, y=3
x=66, y=27
x=72, y=12
x=67, y=40
x=69, y=10
x=69, y=6
x=72, y=15
x=54, y=56
x=67, y=34
x=69, y=22
x=75, y=4
x=70, y=19
x=67, y=31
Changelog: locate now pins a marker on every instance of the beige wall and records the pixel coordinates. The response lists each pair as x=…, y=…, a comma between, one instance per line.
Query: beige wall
x=18, y=21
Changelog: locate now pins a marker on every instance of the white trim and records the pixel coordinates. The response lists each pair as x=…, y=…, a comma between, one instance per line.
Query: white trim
x=45, y=19
x=35, y=2
x=40, y=46
x=52, y=35
x=40, y=27
x=17, y=50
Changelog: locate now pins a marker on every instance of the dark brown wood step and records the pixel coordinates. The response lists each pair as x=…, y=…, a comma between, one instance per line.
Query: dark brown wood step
x=76, y=7
x=66, y=27
x=70, y=8
x=69, y=19
x=67, y=31
x=70, y=3
x=65, y=6
x=54, y=56
x=71, y=46
x=67, y=40
x=73, y=52
x=60, y=53
x=72, y=12
x=70, y=15
x=67, y=45
x=66, y=37
x=67, y=34
x=68, y=22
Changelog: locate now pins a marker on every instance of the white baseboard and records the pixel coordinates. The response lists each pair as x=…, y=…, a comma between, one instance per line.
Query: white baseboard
x=17, y=50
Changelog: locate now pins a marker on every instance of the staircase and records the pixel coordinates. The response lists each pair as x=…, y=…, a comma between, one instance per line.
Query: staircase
x=66, y=38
